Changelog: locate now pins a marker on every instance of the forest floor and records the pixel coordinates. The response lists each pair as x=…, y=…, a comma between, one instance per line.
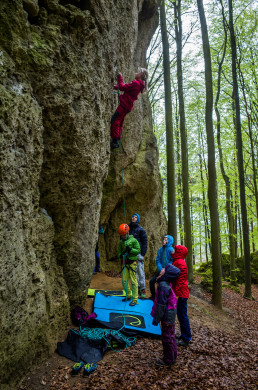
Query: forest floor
x=222, y=353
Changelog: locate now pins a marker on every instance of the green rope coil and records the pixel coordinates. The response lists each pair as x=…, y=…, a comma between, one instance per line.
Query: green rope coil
x=99, y=334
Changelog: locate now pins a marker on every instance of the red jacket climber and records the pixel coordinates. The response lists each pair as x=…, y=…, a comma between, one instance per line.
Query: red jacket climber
x=180, y=286
x=127, y=99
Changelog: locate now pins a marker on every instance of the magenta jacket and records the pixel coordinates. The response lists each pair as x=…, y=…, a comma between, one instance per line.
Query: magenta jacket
x=165, y=303
x=131, y=92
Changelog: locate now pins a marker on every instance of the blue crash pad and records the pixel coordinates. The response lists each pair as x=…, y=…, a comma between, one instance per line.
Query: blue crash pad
x=137, y=318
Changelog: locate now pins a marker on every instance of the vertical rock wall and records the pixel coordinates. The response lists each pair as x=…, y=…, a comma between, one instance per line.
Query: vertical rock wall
x=57, y=61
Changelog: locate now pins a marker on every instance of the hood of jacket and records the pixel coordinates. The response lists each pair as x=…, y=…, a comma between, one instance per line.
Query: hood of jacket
x=170, y=241
x=180, y=252
x=138, y=217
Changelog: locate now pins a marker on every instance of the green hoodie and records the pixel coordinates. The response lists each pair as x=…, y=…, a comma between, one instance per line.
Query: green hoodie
x=133, y=244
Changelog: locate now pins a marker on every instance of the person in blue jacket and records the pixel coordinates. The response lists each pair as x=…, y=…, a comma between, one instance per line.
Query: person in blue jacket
x=162, y=260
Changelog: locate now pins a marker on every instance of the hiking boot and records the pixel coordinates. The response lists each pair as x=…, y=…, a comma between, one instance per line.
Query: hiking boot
x=89, y=368
x=76, y=368
x=161, y=363
x=126, y=299
x=133, y=303
x=142, y=294
x=182, y=343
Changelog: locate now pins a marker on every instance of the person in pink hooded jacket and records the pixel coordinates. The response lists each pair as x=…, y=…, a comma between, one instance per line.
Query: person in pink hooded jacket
x=164, y=311
x=127, y=99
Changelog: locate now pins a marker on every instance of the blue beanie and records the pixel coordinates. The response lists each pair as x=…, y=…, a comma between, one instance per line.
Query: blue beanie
x=138, y=217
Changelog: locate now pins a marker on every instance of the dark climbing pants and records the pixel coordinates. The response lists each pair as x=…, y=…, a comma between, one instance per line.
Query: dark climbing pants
x=183, y=319
x=169, y=343
x=153, y=280
x=97, y=262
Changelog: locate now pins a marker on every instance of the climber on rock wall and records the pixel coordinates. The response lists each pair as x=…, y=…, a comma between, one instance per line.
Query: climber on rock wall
x=127, y=99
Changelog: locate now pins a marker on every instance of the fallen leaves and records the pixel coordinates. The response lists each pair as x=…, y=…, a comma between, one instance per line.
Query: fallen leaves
x=215, y=359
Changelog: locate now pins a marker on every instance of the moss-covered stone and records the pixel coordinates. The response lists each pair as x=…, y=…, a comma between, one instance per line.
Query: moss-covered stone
x=205, y=270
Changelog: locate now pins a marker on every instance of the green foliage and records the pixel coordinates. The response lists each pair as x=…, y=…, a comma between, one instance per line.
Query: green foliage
x=205, y=271
x=194, y=94
x=240, y=270
x=231, y=287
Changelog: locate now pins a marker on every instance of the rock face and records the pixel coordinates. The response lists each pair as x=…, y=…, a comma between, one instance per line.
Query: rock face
x=58, y=178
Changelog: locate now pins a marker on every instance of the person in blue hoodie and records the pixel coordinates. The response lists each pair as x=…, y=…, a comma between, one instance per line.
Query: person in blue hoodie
x=164, y=257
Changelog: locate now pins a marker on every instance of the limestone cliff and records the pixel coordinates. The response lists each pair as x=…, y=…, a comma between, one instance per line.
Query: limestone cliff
x=58, y=178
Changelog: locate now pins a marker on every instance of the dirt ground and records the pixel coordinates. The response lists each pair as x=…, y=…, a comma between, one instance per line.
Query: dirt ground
x=222, y=353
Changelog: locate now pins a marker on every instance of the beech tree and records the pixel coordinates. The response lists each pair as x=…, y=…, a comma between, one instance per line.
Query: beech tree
x=245, y=227
x=184, y=149
x=171, y=186
x=221, y=159
x=212, y=185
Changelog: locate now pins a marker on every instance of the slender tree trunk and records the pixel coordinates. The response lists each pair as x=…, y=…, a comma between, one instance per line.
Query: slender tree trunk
x=191, y=219
x=204, y=207
x=212, y=183
x=179, y=180
x=240, y=231
x=223, y=172
x=240, y=160
x=235, y=220
x=184, y=149
x=171, y=187
x=242, y=83
x=200, y=238
x=252, y=231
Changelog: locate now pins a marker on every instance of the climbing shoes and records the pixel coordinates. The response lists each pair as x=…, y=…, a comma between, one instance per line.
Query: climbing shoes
x=133, y=303
x=89, y=368
x=126, y=299
x=161, y=363
x=76, y=368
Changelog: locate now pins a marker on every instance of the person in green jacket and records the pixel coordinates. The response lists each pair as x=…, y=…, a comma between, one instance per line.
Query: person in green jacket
x=128, y=250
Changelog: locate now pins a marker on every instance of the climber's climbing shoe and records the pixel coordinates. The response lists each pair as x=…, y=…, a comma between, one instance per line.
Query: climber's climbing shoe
x=133, y=303
x=89, y=368
x=126, y=299
x=76, y=368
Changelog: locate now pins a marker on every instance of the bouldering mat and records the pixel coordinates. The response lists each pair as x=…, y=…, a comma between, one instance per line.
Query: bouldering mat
x=137, y=318
x=92, y=292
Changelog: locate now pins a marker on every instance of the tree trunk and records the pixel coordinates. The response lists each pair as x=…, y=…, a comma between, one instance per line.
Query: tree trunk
x=212, y=182
x=179, y=180
x=223, y=172
x=249, y=119
x=245, y=227
x=171, y=187
x=184, y=149
x=204, y=206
